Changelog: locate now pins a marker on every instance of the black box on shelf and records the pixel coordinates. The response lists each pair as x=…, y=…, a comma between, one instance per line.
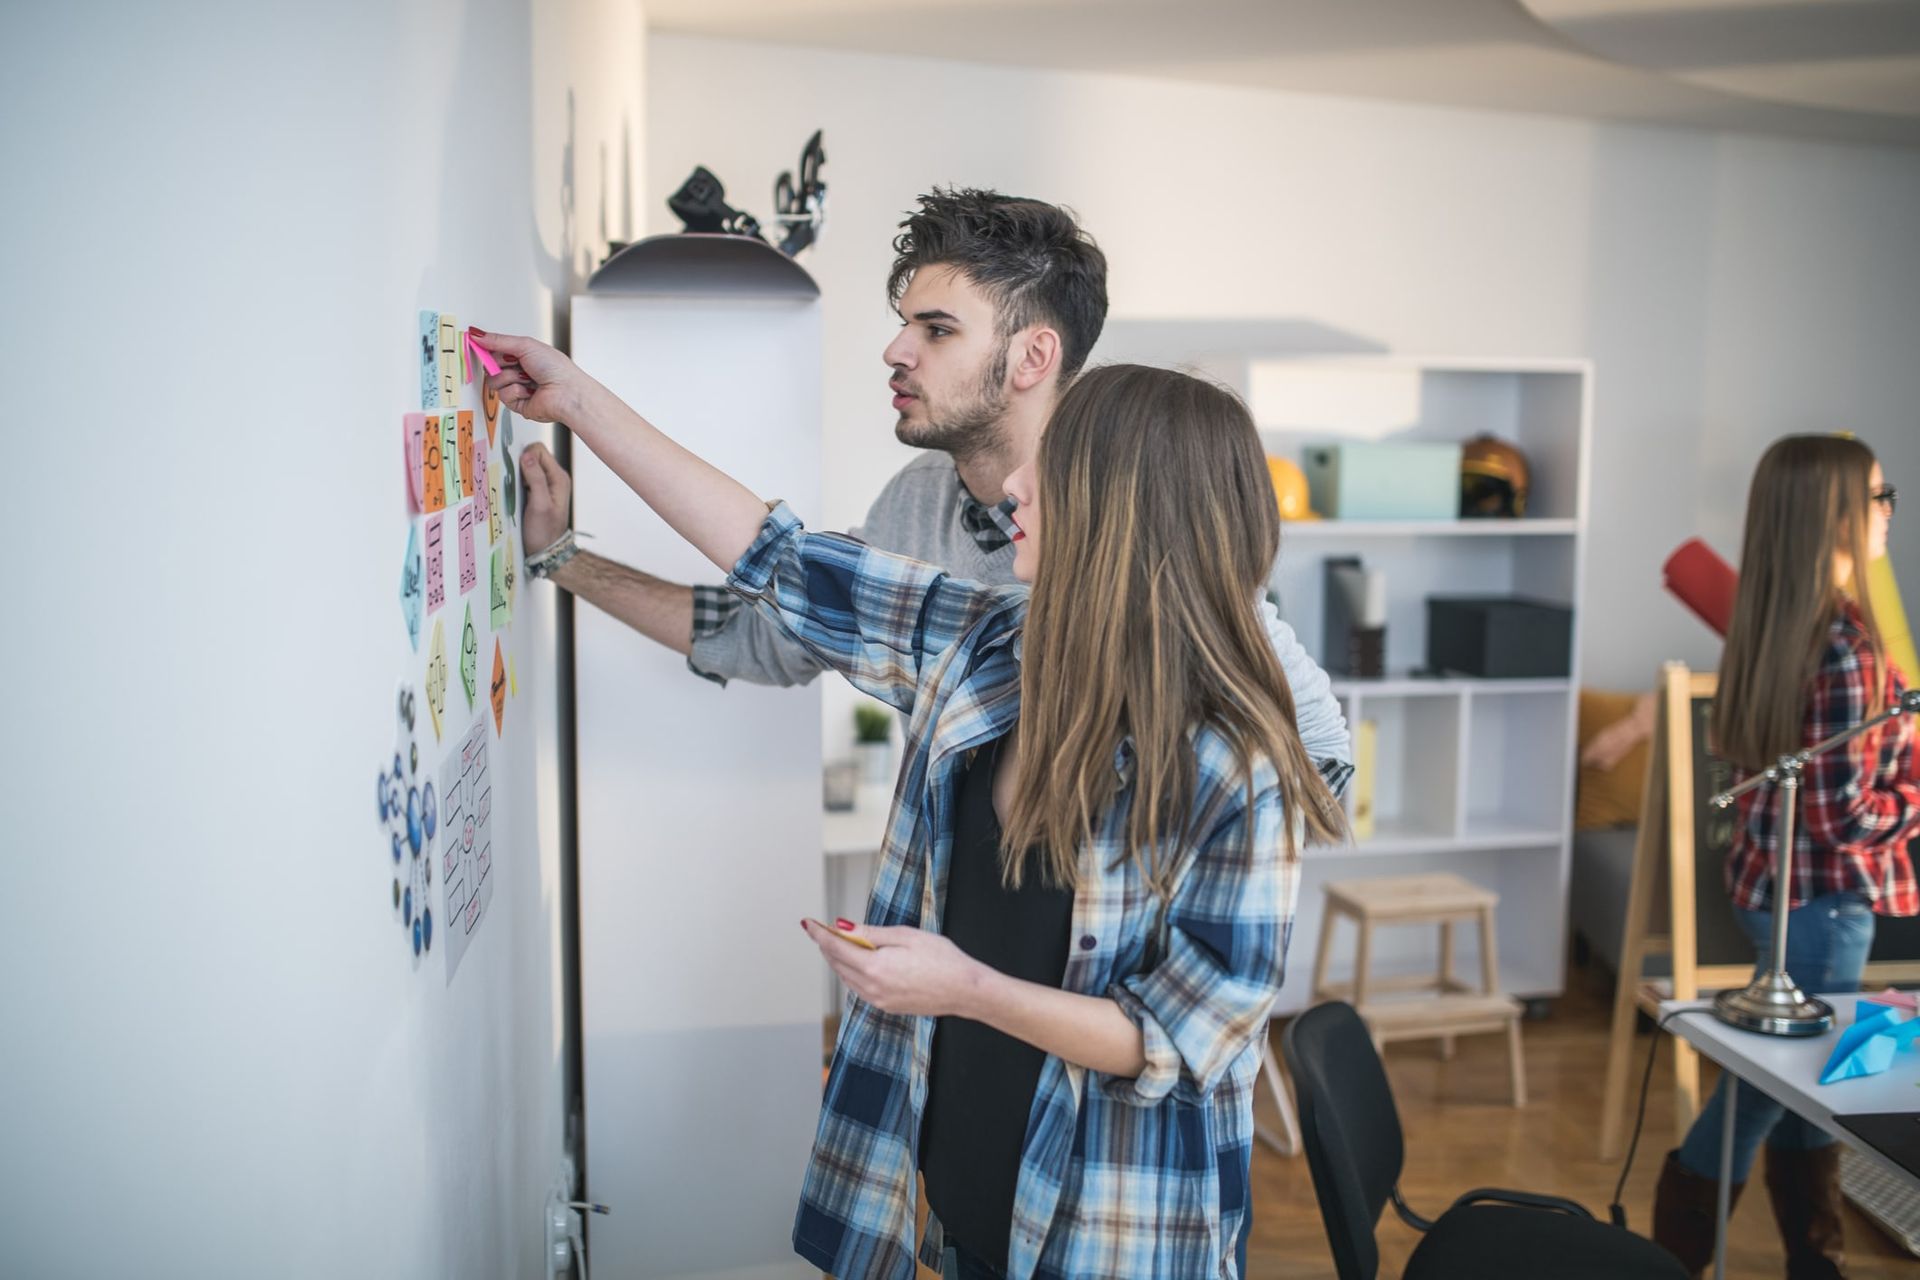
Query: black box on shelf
x=1499, y=637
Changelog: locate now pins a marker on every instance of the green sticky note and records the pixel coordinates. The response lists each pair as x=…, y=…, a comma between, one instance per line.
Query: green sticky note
x=450, y=456
x=469, y=656
x=502, y=603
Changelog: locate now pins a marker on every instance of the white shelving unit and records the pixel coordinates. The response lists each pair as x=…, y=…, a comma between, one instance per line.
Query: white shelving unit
x=1472, y=776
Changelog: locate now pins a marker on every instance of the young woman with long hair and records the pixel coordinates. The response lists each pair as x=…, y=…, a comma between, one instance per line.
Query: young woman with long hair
x=1080, y=919
x=1803, y=661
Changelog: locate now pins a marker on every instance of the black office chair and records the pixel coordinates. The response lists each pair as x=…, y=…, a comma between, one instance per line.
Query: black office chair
x=1351, y=1131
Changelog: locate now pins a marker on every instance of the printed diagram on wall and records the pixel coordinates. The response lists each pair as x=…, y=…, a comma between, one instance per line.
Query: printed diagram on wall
x=466, y=842
x=456, y=491
x=409, y=815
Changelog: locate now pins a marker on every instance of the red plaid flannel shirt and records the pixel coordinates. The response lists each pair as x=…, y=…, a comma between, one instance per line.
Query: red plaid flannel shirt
x=1859, y=803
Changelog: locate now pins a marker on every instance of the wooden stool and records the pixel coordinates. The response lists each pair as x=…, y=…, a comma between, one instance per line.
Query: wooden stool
x=1450, y=1007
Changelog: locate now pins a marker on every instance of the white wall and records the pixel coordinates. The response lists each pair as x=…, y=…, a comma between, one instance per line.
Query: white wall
x=216, y=1058
x=1729, y=288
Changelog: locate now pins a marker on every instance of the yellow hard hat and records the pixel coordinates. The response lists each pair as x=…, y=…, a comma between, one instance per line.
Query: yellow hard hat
x=1493, y=478
x=1290, y=489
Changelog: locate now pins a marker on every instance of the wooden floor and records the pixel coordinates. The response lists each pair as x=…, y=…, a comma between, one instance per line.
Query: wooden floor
x=1462, y=1134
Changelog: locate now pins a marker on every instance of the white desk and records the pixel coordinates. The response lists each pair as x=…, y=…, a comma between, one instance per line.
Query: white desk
x=851, y=842
x=1788, y=1071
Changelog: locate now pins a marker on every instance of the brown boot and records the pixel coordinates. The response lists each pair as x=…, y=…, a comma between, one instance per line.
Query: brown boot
x=1805, y=1189
x=1683, y=1213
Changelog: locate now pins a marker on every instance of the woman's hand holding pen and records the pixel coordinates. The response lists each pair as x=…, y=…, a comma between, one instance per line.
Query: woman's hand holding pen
x=908, y=971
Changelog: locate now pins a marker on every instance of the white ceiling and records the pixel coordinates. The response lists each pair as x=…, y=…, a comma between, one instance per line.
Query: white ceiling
x=1834, y=69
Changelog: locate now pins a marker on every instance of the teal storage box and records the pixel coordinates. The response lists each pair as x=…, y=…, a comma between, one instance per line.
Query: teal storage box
x=1362, y=480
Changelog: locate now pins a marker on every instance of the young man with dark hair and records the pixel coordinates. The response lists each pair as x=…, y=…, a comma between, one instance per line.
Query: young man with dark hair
x=1000, y=300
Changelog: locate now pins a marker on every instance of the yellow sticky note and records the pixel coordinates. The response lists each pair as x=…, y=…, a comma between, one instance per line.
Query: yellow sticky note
x=493, y=505
x=449, y=360
x=437, y=675
x=513, y=677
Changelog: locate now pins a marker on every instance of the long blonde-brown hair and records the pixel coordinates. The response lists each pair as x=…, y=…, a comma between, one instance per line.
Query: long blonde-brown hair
x=1811, y=496
x=1160, y=528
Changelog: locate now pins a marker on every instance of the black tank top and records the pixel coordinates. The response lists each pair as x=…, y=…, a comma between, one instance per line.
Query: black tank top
x=981, y=1082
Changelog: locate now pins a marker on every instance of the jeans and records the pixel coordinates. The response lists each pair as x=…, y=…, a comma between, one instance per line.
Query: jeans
x=1827, y=943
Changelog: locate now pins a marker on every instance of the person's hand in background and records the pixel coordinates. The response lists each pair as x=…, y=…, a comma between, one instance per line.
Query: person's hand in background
x=549, y=498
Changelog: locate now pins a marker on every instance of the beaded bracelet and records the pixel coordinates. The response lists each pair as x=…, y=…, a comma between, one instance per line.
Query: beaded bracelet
x=542, y=563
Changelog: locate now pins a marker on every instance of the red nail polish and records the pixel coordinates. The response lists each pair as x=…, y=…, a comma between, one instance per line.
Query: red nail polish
x=803, y=928
x=845, y=925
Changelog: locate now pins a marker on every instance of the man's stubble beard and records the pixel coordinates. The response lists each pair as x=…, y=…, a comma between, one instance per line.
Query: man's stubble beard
x=975, y=426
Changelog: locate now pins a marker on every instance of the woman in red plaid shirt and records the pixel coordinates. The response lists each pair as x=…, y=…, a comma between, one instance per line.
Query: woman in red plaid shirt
x=1818, y=508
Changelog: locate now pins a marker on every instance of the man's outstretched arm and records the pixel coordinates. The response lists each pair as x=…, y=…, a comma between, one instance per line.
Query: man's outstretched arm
x=660, y=610
x=722, y=637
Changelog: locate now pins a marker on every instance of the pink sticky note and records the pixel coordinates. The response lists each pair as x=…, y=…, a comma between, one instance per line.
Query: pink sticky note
x=436, y=588
x=1893, y=999
x=480, y=481
x=482, y=354
x=468, y=574
x=413, y=430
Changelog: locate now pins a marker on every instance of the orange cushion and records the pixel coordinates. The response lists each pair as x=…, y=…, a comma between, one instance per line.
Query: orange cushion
x=1608, y=797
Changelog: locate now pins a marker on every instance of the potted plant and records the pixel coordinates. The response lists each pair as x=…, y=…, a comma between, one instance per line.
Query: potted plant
x=873, y=739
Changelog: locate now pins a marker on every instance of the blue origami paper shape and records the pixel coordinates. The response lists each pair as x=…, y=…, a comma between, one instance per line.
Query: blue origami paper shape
x=1867, y=1047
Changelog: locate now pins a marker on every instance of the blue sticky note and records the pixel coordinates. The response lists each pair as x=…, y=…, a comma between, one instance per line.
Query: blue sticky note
x=411, y=586
x=428, y=358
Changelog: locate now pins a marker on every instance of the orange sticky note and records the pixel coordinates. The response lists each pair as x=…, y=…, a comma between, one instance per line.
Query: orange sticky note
x=466, y=451
x=490, y=403
x=499, y=690
x=433, y=488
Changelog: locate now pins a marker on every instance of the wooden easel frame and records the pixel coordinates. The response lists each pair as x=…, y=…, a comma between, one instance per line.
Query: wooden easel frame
x=1664, y=849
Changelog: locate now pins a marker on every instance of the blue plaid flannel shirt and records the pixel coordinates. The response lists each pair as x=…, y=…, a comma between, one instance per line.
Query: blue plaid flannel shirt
x=1143, y=1177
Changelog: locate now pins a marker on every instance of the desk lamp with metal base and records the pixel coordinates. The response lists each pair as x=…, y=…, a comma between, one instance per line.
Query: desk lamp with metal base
x=1773, y=1004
